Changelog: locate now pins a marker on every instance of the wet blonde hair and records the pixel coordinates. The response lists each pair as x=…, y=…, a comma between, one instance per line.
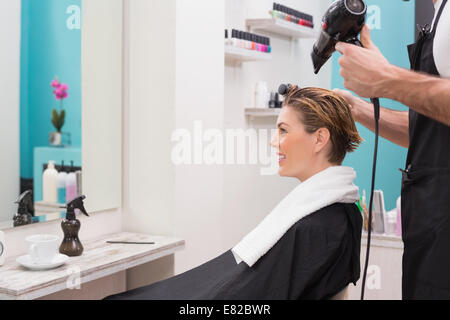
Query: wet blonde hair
x=321, y=108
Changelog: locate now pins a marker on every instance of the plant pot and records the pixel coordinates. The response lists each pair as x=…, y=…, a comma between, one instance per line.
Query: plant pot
x=55, y=139
x=59, y=139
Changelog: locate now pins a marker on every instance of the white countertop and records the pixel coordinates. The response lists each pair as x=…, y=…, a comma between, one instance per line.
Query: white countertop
x=98, y=260
x=382, y=240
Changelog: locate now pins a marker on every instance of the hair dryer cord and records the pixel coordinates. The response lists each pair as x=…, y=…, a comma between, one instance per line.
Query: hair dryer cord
x=376, y=106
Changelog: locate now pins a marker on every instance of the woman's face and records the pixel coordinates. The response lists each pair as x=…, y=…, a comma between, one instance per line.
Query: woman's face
x=298, y=150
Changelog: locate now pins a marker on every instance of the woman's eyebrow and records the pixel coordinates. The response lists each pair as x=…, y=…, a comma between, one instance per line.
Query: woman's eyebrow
x=281, y=123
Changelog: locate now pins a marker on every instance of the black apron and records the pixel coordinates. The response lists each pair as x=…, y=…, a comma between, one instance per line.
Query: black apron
x=426, y=192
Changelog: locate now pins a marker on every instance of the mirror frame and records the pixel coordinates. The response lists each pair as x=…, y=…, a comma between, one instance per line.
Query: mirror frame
x=102, y=69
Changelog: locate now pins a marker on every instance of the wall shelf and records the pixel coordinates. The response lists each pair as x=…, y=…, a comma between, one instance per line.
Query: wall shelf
x=262, y=112
x=236, y=54
x=280, y=27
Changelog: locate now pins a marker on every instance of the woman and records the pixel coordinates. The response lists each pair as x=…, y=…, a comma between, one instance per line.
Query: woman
x=308, y=246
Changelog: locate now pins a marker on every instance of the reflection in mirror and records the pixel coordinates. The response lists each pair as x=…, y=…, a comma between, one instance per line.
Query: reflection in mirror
x=43, y=121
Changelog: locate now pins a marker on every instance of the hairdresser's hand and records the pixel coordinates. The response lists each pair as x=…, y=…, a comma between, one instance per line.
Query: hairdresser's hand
x=358, y=106
x=365, y=70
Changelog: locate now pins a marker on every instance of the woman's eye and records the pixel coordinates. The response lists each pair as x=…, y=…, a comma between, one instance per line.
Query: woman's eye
x=282, y=130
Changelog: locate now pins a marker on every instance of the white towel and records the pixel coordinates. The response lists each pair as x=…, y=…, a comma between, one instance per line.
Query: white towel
x=332, y=185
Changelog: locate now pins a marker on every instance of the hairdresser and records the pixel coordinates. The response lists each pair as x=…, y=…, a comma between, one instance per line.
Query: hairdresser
x=425, y=131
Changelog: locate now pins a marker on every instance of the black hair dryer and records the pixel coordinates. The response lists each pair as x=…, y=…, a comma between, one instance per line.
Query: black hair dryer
x=343, y=21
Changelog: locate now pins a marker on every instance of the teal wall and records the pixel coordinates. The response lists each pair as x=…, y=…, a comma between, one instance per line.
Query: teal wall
x=48, y=48
x=393, y=31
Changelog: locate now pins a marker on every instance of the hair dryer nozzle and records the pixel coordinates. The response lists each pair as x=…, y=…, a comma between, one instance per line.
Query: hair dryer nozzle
x=318, y=62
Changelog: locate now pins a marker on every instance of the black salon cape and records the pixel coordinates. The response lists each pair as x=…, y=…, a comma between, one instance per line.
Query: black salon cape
x=315, y=259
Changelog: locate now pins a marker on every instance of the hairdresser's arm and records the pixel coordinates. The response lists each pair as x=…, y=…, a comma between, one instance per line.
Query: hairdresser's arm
x=367, y=72
x=393, y=125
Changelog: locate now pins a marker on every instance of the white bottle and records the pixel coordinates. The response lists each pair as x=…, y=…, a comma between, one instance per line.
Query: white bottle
x=378, y=212
x=261, y=95
x=50, y=183
x=2, y=248
x=391, y=222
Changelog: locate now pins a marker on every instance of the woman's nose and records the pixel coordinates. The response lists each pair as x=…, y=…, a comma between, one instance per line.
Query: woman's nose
x=274, y=143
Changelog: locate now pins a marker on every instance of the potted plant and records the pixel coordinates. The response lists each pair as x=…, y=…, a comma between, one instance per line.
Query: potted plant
x=58, y=117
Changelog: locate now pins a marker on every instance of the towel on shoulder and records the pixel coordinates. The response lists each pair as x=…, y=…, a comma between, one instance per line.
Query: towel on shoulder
x=332, y=185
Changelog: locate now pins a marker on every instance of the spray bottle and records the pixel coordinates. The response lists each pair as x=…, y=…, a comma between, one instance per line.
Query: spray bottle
x=71, y=245
x=25, y=211
x=2, y=248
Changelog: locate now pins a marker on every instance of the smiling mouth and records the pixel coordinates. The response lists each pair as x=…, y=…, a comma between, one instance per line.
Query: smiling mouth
x=281, y=157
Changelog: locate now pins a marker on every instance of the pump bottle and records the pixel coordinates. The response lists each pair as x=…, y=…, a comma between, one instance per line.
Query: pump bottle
x=50, y=183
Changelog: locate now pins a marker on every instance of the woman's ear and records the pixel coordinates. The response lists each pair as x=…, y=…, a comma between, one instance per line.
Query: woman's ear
x=322, y=138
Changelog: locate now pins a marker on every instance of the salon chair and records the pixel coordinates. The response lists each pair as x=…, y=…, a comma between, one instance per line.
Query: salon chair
x=342, y=295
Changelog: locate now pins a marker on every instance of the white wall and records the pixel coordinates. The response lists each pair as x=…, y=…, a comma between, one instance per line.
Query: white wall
x=9, y=106
x=173, y=79
x=199, y=96
x=148, y=121
x=249, y=196
x=101, y=87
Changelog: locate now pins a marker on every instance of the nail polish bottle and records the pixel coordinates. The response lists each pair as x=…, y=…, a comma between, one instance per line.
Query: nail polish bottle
x=305, y=20
x=269, y=47
x=244, y=42
x=253, y=39
x=310, y=21
x=260, y=45
x=265, y=49
x=281, y=14
x=298, y=15
x=294, y=19
x=274, y=12
x=241, y=39
x=248, y=41
x=288, y=11
x=233, y=37
x=302, y=20
x=286, y=14
x=289, y=17
x=238, y=39
x=227, y=40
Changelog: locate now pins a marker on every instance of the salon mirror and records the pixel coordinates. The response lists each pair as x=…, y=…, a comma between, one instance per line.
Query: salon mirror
x=52, y=77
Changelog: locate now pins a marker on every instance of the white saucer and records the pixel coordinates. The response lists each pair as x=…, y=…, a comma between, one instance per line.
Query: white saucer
x=27, y=262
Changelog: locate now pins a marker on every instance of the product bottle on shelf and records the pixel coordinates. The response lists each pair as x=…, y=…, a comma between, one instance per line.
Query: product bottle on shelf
x=71, y=185
x=62, y=185
x=50, y=183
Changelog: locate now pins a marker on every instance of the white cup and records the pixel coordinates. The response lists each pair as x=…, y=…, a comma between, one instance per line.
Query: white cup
x=43, y=248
